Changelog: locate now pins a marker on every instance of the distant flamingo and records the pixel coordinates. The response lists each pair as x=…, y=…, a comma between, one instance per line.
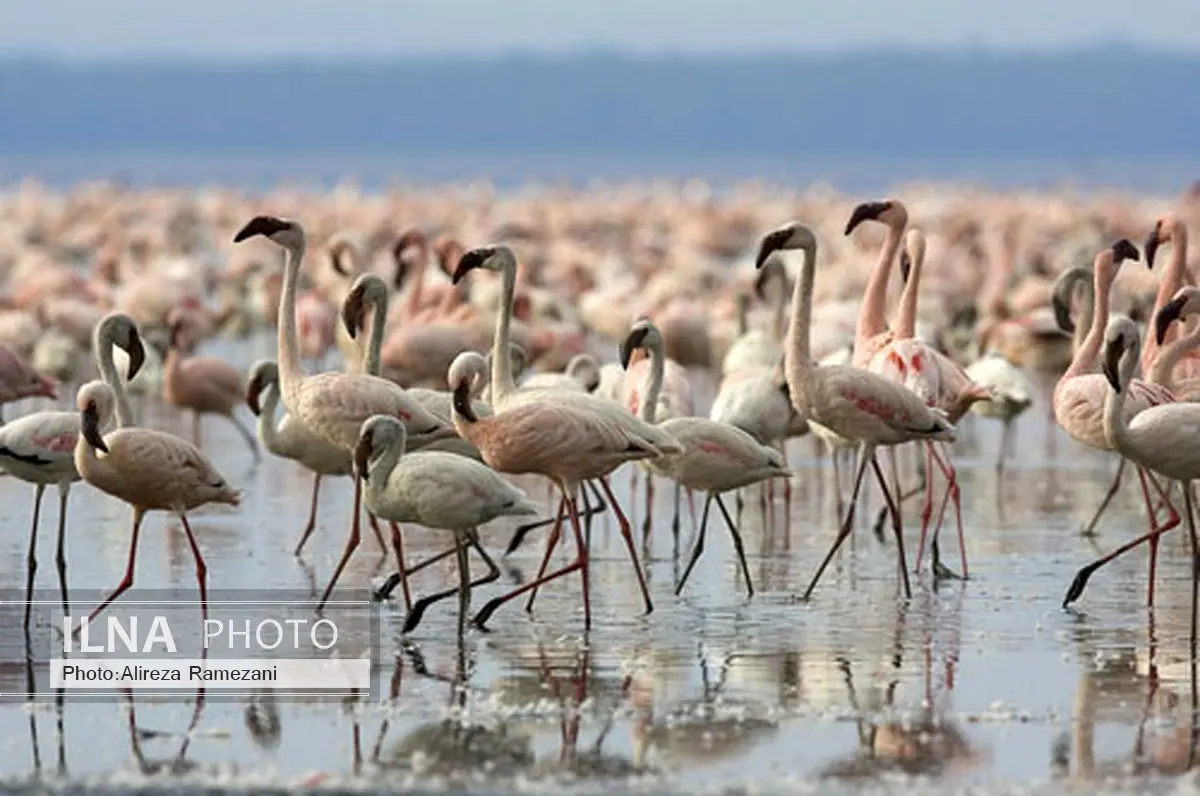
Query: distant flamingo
x=437, y=490
x=206, y=385
x=849, y=401
x=1079, y=408
x=151, y=471
x=1168, y=229
x=1012, y=394
x=1184, y=305
x=871, y=333
x=1161, y=438
x=333, y=405
x=18, y=380
x=39, y=448
x=716, y=457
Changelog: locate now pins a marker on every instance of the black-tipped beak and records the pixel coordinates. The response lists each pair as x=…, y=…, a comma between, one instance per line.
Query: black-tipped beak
x=253, y=392
x=770, y=244
x=260, y=225
x=631, y=342
x=362, y=455
x=352, y=312
x=1168, y=314
x=1062, y=314
x=91, y=428
x=1112, y=363
x=905, y=266
x=1123, y=250
x=462, y=401
x=471, y=260
x=335, y=261
x=867, y=211
x=760, y=282
x=137, y=355
x=1151, y=245
x=401, y=275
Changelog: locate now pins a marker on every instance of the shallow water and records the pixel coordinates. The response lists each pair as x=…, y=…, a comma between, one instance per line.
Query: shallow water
x=985, y=683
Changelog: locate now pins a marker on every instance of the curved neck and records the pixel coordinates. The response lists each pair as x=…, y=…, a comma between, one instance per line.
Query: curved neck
x=373, y=359
x=1116, y=429
x=654, y=379
x=1087, y=311
x=502, y=376
x=417, y=289
x=1169, y=356
x=871, y=314
x=779, y=316
x=103, y=345
x=905, y=327
x=267, y=430
x=797, y=358
x=1085, y=355
x=1173, y=278
x=291, y=372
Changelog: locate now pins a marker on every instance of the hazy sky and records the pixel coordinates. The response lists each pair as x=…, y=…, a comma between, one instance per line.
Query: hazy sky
x=396, y=27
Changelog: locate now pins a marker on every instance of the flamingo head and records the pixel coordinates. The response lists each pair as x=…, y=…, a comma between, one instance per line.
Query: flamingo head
x=461, y=377
x=380, y=432
x=642, y=335
x=888, y=211
x=95, y=404
x=288, y=234
x=1064, y=293
x=263, y=373
x=1185, y=302
x=1124, y=250
x=1120, y=338
x=1162, y=233
x=792, y=235
x=367, y=289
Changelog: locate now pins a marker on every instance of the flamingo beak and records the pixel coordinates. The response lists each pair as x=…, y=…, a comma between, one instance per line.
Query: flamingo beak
x=867, y=211
x=1124, y=250
x=760, y=283
x=137, y=354
x=462, y=401
x=1170, y=312
x=91, y=428
x=253, y=391
x=362, y=455
x=260, y=225
x=475, y=258
x=771, y=243
x=352, y=312
x=1112, y=360
x=633, y=341
x=1151, y=245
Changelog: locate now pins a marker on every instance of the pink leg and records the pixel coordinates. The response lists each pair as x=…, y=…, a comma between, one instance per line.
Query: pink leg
x=201, y=570
x=865, y=454
x=926, y=507
x=627, y=534
x=583, y=555
x=126, y=581
x=312, y=516
x=691, y=498
x=398, y=546
x=953, y=490
x=551, y=543
x=351, y=543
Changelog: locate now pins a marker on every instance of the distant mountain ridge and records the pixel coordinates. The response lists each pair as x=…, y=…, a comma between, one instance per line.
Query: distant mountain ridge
x=1110, y=101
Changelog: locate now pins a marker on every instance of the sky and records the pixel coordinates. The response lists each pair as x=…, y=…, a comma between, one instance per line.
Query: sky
x=224, y=29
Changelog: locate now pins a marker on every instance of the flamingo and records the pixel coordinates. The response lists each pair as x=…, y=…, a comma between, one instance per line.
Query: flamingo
x=1160, y=438
x=206, y=385
x=1185, y=304
x=39, y=448
x=1012, y=394
x=1168, y=229
x=333, y=405
x=582, y=373
x=291, y=439
x=716, y=457
x=18, y=380
x=437, y=490
x=1079, y=408
x=853, y=403
x=150, y=470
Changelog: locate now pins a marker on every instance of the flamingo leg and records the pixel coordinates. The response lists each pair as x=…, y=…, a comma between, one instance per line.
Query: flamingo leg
x=698, y=548
x=373, y=521
x=1081, y=577
x=460, y=549
x=518, y=537
x=675, y=519
x=926, y=507
x=787, y=484
x=247, y=435
x=1090, y=528
x=1189, y=509
x=905, y=496
x=352, y=542
x=31, y=555
x=952, y=489
x=398, y=548
x=627, y=535
x=737, y=544
x=312, y=516
x=896, y=529
x=551, y=543
x=60, y=553
x=837, y=480
x=126, y=581
x=1005, y=445
x=865, y=452
x=201, y=569
x=646, y=523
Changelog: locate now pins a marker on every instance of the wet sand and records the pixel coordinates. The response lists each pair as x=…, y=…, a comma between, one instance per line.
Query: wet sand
x=986, y=684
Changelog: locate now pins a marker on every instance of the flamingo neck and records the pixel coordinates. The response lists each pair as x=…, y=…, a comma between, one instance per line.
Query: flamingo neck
x=103, y=344
x=1089, y=349
x=905, y=327
x=1169, y=355
x=417, y=290
x=797, y=358
x=268, y=432
x=1172, y=279
x=871, y=315
x=503, y=384
x=291, y=372
x=373, y=358
x=1116, y=428
x=652, y=386
x=779, y=316
x=1087, y=311
x=380, y=468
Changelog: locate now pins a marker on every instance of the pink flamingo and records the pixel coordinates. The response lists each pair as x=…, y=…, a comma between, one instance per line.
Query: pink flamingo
x=334, y=405
x=851, y=402
x=1184, y=305
x=1078, y=403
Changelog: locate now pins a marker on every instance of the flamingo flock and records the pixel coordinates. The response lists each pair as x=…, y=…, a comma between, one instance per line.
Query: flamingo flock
x=533, y=339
